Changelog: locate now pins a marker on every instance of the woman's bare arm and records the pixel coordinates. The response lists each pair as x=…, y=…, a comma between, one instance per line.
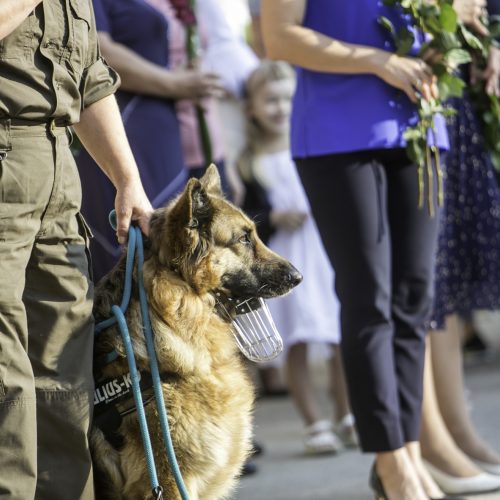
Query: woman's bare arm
x=140, y=76
x=285, y=38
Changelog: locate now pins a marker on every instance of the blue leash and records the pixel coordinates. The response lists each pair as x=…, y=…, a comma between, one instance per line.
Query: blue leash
x=135, y=244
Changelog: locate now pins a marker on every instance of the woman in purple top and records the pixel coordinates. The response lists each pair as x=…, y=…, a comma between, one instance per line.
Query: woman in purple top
x=133, y=39
x=354, y=99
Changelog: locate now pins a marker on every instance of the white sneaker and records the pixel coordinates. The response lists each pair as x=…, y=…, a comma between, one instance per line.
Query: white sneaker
x=320, y=439
x=346, y=431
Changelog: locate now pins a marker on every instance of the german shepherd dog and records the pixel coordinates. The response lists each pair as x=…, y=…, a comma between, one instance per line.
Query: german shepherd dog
x=199, y=245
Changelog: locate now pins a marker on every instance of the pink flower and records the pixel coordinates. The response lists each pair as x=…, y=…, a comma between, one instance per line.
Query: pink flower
x=184, y=12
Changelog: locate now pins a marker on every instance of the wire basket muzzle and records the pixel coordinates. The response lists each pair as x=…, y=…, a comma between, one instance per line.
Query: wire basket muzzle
x=255, y=332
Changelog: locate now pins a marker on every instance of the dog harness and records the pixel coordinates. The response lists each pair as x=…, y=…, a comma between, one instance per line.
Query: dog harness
x=114, y=399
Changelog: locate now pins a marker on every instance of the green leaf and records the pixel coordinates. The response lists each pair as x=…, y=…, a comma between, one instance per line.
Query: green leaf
x=425, y=107
x=387, y=24
x=416, y=152
x=433, y=24
x=450, y=86
x=456, y=57
x=444, y=89
x=445, y=41
x=494, y=29
x=448, y=18
x=470, y=39
x=449, y=111
x=404, y=41
x=495, y=159
x=439, y=69
x=412, y=134
x=488, y=117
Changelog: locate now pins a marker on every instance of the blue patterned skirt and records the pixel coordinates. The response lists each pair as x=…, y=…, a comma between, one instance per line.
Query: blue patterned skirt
x=468, y=259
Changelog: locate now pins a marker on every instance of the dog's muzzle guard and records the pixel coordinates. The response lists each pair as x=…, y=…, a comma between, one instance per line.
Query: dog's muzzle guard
x=253, y=328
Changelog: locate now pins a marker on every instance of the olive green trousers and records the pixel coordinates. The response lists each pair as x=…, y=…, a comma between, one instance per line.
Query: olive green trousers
x=46, y=327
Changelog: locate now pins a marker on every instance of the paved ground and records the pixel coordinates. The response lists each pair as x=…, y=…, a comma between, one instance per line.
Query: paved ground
x=286, y=474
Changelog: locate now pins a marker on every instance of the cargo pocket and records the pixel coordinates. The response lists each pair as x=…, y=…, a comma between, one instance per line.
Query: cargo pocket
x=85, y=231
x=15, y=182
x=80, y=23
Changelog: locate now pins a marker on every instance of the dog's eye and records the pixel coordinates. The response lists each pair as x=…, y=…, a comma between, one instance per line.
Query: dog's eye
x=245, y=239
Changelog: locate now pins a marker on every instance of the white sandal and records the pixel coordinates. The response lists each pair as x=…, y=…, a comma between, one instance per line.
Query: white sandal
x=319, y=439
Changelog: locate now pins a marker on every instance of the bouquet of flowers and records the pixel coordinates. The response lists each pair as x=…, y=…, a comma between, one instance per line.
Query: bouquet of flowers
x=451, y=41
x=456, y=45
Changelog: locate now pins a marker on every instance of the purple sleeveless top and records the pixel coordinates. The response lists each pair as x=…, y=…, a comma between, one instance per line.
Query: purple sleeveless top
x=338, y=113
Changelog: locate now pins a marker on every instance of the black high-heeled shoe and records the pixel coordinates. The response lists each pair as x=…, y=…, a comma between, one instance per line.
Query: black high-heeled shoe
x=376, y=484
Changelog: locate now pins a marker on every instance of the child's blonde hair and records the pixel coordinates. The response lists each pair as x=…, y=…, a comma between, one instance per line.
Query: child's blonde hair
x=267, y=71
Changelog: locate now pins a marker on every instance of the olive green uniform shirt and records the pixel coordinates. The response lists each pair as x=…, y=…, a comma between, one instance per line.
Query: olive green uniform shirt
x=50, y=65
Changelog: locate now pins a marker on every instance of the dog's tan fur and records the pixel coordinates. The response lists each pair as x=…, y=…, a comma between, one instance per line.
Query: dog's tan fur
x=199, y=245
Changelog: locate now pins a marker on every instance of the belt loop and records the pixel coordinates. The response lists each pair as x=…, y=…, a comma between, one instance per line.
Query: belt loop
x=52, y=127
x=69, y=133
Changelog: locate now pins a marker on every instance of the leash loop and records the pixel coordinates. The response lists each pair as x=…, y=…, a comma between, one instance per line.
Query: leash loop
x=157, y=493
x=135, y=244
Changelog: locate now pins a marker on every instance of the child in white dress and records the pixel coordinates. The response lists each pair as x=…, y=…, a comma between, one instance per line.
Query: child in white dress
x=275, y=197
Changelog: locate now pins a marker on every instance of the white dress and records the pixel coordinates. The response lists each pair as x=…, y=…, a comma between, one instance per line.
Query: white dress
x=310, y=313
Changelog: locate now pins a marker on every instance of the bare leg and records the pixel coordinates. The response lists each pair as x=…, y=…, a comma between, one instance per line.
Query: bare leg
x=338, y=385
x=438, y=447
x=398, y=475
x=319, y=437
x=428, y=484
x=300, y=384
x=449, y=383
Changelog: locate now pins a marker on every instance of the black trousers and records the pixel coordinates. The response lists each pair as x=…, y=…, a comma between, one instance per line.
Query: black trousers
x=382, y=248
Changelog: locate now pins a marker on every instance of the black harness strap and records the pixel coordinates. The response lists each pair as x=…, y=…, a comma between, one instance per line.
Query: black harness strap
x=114, y=399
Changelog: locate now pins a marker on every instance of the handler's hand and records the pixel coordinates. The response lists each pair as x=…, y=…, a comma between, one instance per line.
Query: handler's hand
x=131, y=204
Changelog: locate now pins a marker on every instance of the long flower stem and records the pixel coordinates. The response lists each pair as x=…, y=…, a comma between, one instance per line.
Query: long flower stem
x=430, y=181
x=192, y=49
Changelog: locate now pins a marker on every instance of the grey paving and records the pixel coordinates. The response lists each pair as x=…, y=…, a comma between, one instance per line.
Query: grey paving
x=285, y=473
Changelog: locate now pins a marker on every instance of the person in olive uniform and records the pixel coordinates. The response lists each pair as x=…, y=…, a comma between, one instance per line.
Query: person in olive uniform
x=52, y=76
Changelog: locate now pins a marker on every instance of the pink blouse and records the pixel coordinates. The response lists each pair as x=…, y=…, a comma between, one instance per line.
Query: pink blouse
x=190, y=136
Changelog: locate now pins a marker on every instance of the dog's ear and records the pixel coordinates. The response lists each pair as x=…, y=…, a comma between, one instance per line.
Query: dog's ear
x=211, y=181
x=200, y=209
x=193, y=208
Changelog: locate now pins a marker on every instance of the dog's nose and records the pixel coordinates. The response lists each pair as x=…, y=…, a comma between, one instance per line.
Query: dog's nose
x=294, y=277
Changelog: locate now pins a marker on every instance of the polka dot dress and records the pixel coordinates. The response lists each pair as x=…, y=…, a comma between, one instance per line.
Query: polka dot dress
x=468, y=259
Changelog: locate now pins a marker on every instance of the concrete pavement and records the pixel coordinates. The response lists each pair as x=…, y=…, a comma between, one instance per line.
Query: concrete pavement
x=285, y=473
